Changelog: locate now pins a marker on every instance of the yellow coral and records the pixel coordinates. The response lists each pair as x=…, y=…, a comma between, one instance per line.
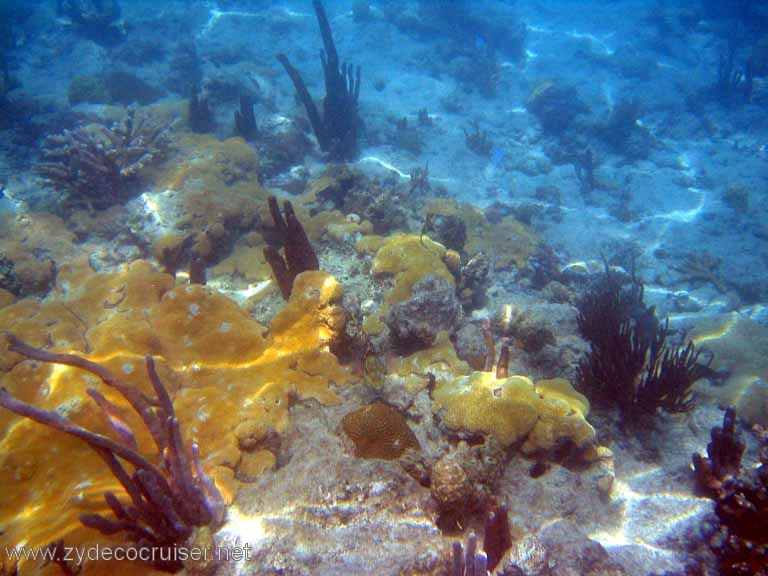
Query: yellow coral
x=562, y=414
x=513, y=409
x=221, y=370
x=409, y=258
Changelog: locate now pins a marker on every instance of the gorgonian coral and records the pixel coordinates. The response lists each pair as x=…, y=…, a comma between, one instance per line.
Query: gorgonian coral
x=631, y=364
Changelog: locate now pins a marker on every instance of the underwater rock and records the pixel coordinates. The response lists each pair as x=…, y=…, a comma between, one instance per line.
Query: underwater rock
x=465, y=479
x=308, y=516
x=576, y=554
x=432, y=308
x=448, y=229
x=470, y=345
x=752, y=405
x=555, y=106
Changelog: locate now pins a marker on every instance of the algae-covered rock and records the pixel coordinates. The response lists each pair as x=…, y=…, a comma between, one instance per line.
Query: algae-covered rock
x=433, y=308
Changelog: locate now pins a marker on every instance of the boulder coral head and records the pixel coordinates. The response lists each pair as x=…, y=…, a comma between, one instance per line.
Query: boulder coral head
x=379, y=431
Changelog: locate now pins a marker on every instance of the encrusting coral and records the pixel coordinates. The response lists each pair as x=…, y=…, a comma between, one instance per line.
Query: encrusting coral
x=167, y=502
x=233, y=376
x=514, y=410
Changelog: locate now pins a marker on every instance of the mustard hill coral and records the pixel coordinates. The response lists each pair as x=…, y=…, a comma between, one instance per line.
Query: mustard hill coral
x=514, y=410
x=234, y=373
x=407, y=257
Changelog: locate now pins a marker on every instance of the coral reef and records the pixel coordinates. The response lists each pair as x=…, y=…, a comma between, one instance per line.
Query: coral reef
x=95, y=19
x=192, y=331
x=504, y=244
x=336, y=129
x=98, y=165
x=513, y=410
x=702, y=268
x=741, y=497
x=299, y=256
x=352, y=192
x=199, y=112
x=555, y=106
x=168, y=502
x=464, y=480
x=245, y=120
x=478, y=141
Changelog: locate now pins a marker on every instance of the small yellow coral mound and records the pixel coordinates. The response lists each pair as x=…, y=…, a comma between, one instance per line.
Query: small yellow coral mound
x=295, y=329
x=246, y=262
x=224, y=371
x=440, y=360
x=562, y=414
x=513, y=409
x=407, y=257
x=507, y=409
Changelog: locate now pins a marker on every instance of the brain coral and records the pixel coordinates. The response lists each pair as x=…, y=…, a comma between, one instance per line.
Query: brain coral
x=379, y=431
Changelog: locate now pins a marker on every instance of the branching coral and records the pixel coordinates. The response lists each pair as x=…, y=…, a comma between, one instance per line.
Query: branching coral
x=299, y=254
x=98, y=165
x=167, y=502
x=336, y=129
x=702, y=267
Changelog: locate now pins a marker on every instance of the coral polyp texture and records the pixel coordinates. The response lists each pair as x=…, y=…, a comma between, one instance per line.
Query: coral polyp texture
x=515, y=410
